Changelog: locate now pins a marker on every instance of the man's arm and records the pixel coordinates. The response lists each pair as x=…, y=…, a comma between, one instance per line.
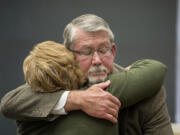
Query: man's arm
x=25, y=104
x=156, y=119
x=95, y=102
x=148, y=117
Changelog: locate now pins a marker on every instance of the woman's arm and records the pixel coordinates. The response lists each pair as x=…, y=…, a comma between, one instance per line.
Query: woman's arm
x=143, y=79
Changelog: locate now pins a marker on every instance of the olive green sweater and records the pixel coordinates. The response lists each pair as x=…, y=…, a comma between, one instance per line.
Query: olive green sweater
x=142, y=80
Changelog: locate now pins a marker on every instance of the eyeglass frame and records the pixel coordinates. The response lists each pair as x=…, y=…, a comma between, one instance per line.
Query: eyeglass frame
x=91, y=52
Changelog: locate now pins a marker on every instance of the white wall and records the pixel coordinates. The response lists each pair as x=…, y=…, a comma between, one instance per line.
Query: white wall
x=178, y=67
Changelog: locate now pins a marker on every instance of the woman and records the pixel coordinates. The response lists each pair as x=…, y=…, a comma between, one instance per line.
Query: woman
x=50, y=67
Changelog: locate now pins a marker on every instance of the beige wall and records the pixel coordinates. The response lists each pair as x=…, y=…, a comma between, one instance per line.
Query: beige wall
x=176, y=129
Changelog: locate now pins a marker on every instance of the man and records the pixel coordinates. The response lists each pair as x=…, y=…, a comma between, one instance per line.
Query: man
x=88, y=36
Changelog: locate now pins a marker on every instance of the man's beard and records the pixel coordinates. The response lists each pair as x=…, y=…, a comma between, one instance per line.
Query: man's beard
x=99, y=74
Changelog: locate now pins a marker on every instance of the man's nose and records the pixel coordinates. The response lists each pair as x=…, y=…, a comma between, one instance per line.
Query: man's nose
x=96, y=60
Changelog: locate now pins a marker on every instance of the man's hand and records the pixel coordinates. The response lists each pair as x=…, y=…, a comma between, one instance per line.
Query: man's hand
x=95, y=102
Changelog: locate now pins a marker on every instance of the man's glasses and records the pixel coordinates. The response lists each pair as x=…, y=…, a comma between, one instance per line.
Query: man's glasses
x=88, y=52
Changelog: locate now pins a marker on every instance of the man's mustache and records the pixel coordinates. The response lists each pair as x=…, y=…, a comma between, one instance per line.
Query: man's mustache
x=97, y=69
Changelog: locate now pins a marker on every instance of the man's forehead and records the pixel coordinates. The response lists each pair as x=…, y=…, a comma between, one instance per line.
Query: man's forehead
x=91, y=38
x=104, y=43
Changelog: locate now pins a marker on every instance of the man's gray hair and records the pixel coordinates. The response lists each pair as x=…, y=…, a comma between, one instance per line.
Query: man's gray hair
x=88, y=23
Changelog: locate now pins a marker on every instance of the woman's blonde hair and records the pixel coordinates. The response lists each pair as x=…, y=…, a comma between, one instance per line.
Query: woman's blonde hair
x=50, y=66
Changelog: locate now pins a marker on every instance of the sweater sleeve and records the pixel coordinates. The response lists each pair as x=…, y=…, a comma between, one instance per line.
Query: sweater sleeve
x=142, y=80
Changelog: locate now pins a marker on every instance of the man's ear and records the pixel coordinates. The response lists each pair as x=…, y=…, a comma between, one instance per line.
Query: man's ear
x=113, y=49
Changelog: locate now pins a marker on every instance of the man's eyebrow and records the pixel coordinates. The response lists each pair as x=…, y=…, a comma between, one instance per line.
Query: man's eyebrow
x=85, y=46
x=105, y=43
